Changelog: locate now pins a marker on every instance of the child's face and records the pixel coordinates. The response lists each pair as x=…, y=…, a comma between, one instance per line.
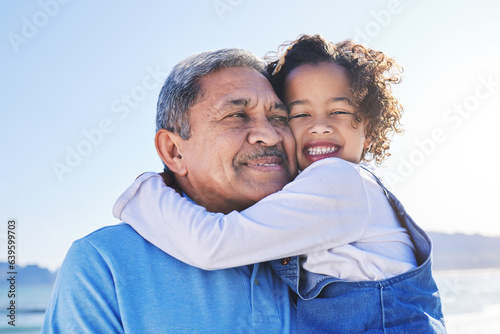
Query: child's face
x=322, y=115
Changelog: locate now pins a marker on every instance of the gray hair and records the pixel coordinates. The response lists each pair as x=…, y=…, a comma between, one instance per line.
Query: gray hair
x=182, y=88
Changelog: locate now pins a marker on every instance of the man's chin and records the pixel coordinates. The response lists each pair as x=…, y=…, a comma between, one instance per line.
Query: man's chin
x=261, y=174
x=263, y=189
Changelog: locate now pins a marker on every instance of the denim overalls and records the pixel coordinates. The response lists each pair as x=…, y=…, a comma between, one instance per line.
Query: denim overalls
x=407, y=303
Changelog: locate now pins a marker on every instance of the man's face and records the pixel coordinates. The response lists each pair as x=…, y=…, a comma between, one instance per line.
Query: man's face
x=241, y=148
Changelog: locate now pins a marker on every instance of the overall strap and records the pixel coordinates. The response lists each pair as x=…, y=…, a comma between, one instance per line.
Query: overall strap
x=395, y=203
x=419, y=238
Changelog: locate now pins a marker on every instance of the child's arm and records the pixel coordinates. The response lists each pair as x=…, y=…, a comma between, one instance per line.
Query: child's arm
x=324, y=207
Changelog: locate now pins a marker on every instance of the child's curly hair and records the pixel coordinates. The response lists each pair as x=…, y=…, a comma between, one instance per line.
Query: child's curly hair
x=371, y=76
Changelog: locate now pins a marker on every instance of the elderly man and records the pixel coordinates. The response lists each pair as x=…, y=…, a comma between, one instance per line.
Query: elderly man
x=223, y=133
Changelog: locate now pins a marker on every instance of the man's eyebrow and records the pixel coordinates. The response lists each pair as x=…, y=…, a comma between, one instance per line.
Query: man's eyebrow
x=280, y=106
x=242, y=102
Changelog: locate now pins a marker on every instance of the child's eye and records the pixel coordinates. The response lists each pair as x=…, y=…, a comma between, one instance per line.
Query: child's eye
x=340, y=113
x=299, y=116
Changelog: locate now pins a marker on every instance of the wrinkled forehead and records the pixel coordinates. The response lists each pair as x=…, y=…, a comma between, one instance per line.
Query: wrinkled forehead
x=238, y=86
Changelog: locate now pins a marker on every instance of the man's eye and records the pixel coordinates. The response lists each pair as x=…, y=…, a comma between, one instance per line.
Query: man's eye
x=340, y=113
x=237, y=115
x=280, y=120
x=283, y=119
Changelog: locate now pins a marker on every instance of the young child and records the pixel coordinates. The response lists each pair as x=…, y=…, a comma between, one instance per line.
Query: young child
x=364, y=265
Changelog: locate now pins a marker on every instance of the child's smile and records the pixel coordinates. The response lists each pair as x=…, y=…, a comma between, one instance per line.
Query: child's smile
x=322, y=114
x=320, y=149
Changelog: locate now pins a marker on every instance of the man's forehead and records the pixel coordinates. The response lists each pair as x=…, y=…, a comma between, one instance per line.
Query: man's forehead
x=244, y=77
x=238, y=86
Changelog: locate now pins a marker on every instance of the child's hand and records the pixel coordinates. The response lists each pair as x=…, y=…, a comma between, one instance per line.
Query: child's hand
x=169, y=180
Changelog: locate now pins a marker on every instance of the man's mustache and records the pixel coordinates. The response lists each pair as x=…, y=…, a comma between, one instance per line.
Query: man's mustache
x=263, y=151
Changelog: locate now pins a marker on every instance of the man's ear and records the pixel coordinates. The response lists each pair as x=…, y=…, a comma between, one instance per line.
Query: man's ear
x=169, y=148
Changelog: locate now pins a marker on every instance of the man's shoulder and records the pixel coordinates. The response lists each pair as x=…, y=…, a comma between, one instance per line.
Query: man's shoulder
x=119, y=234
x=117, y=251
x=111, y=231
x=115, y=244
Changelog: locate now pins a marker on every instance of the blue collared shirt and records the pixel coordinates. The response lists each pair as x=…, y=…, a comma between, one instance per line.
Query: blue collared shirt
x=114, y=281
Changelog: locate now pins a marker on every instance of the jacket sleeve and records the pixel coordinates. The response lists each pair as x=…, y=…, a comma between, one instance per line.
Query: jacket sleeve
x=84, y=299
x=324, y=207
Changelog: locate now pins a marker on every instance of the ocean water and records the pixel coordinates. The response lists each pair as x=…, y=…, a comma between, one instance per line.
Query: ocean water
x=471, y=303
x=31, y=302
x=471, y=300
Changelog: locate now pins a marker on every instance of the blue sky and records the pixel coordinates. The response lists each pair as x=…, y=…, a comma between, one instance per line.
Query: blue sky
x=80, y=81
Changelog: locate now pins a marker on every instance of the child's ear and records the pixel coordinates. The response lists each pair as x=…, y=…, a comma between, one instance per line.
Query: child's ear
x=169, y=148
x=367, y=143
x=366, y=147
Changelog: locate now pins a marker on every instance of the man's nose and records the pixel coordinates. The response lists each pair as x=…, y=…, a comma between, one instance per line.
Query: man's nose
x=264, y=133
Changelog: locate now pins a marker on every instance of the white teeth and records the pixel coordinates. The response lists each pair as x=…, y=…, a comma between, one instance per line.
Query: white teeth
x=260, y=164
x=321, y=150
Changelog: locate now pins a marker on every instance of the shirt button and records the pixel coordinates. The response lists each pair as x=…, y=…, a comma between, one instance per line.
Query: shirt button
x=284, y=261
